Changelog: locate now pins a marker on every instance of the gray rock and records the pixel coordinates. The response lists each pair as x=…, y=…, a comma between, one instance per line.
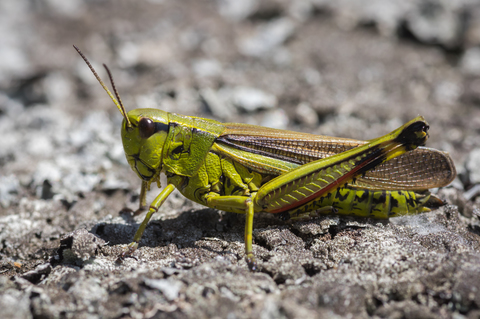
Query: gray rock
x=267, y=38
x=206, y=67
x=14, y=60
x=15, y=304
x=472, y=192
x=275, y=119
x=79, y=246
x=470, y=62
x=306, y=115
x=114, y=182
x=219, y=103
x=251, y=99
x=387, y=15
x=41, y=304
x=77, y=182
x=8, y=188
x=170, y=288
x=72, y=9
x=236, y=10
x=448, y=93
x=473, y=166
x=38, y=274
x=437, y=22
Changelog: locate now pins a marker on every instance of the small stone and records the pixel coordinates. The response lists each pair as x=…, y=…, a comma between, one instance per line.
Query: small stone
x=470, y=62
x=116, y=153
x=71, y=9
x=447, y=92
x=206, y=67
x=77, y=182
x=306, y=115
x=473, y=166
x=8, y=188
x=46, y=170
x=436, y=22
x=268, y=37
x=57, y=87
x=13, y=61
x=236, y=10
x=472, y=192
x=275, y=119
x=15, y=304
x=217, y=104
x=79, y=245
x=250, y=99
x=40, y=145
x=312, y=76
x=38, y=274
x=89, y=290
x=113, y=182
x=128, y=54
x=169, y=287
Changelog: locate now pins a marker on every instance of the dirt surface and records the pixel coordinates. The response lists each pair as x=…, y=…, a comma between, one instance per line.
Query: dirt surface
x=342, y=68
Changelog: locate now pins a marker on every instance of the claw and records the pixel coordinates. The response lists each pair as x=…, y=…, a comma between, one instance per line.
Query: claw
x=252, y=263
x=128, y=253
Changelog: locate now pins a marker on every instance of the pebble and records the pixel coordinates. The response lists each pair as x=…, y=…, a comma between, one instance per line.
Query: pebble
x=8, y=188
x=80, y=244
x=306, y=115
x=436, y=22
x=71, y=8
x=14, y=21
x=57, y=88
x=206, y=67
x=470, y=62
x=113, y=182
x=169, y=287
x=448, y=93
x=46, y=170
x=431, y=22
x=77, y=182
x=15, y=304
x=39, y=145
x=267, y=38
x=473, y=192
x=236, y=10
x=217, y=104
x=473, y=166
x=275, y=119
x=128, y=54
x=251, y=99
x=312, y=76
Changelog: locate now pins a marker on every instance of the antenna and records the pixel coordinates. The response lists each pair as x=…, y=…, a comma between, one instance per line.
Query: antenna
x=118, y=102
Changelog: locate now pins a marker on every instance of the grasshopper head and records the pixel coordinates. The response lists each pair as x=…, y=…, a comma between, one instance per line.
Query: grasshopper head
x=144, y=132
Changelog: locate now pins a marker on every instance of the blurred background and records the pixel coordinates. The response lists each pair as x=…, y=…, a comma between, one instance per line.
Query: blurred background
x=348, y=68
x=342, y=68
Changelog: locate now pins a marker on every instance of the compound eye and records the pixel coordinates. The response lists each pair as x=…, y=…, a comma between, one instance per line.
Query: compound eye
x=146, y=127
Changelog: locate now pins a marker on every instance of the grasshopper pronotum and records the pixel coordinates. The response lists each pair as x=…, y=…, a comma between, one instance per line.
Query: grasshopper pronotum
x=247, y=169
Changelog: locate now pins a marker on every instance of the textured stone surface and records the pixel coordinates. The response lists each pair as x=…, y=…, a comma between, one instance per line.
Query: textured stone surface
x=342, y=68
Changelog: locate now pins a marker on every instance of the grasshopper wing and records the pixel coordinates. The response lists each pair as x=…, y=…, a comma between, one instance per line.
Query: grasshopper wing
x=420, y=169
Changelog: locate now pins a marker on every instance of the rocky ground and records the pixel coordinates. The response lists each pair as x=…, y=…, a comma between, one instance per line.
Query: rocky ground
x=342, y=68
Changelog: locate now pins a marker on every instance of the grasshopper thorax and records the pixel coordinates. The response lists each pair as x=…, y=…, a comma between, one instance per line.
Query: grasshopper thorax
x=144, y=140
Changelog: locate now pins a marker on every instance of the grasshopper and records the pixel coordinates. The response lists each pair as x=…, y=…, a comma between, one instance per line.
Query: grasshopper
x=248, y=169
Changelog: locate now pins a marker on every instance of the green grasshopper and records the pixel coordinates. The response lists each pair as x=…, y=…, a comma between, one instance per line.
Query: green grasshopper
x=248, y=169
